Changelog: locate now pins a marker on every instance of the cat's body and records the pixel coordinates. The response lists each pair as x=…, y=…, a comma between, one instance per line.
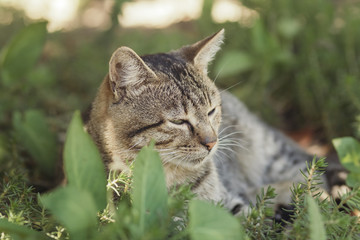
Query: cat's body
x=205, y=138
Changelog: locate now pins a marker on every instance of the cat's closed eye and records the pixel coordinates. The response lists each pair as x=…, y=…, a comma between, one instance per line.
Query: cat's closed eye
x=211, y=112
x=179, y=121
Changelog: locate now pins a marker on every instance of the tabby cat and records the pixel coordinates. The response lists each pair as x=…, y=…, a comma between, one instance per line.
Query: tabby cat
x=206, y=138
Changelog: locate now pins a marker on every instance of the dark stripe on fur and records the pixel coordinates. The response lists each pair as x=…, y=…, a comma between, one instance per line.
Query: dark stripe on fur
x=176, y=70
x=196, y=83
x=140, y=130
x=200, y=179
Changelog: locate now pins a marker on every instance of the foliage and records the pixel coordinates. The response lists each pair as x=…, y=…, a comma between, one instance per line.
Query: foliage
x=37, y=139
x=20, y=56
x=298, y=59
x=348, y=150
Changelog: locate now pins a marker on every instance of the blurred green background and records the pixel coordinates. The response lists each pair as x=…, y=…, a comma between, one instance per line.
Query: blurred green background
x=294, y=63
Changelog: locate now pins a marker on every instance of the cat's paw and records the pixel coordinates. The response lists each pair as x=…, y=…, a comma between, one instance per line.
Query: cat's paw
x=237, y=206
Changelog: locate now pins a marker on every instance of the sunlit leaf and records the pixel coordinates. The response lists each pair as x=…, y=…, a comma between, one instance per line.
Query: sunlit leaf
x=353, y=179
x=32, y=131
x=83, y=165
x=23, y=51
x=150, y=193
x=212, y=223
x=348, y=150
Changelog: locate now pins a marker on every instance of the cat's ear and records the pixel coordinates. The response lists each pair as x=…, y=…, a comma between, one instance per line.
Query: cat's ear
x=127, y=69
x=203, y=52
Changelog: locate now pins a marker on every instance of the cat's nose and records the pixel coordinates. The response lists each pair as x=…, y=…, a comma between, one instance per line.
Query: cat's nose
x=209, y=143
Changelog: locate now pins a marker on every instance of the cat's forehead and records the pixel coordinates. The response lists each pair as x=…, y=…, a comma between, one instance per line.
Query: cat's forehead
x=183, y=77
x=169, y=64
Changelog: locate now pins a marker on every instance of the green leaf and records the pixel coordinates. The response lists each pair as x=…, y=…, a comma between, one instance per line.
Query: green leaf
x=32, y=131
x=232, y=63
x=83, y=165
x=74, y=208
x=353, y=179
x=19, y=232
x=212, y=222
x=316, y=224
x=23, y=51
x=150, y=193
x=259, y=37
x=348, y=150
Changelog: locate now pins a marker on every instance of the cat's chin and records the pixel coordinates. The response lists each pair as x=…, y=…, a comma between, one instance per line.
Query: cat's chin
x=194, y=163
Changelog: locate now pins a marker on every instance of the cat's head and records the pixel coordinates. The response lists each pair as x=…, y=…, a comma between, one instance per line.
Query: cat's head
x=166, y=97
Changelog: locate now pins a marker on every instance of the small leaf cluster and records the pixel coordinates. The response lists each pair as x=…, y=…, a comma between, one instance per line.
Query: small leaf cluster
x=348, y=150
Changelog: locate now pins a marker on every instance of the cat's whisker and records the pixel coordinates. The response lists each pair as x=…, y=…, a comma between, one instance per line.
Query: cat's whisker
x=179, y=162
x=231, y=140
x=226, y=155
x=217, y=75
x=171, y=153
x=228, y=149
x=137, y=143
x=230, y=134
x=230, y=126
x=234, y=144
x=166, y=161
x=234, y=85
x=172, y=159
x=235, y=126
x=217, y=156
x=165, y=149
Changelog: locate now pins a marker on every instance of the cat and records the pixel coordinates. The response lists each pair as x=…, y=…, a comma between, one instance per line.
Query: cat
x=206, y=138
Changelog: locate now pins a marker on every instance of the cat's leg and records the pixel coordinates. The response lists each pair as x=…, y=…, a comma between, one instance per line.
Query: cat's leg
x=209, y=187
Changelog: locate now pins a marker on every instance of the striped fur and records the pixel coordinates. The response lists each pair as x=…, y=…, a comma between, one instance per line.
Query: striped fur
x=206, y=139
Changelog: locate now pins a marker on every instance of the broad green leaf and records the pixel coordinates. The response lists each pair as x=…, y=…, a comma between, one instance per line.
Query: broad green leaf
x=32, y=131
x=83, y=165
x=353, y=179
x=212, y=222
x=316, y=224
x=150, y=193
x=23, y=51
x=74, y=208
x=348, y=150
x=20, y=232
x=232, y=63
